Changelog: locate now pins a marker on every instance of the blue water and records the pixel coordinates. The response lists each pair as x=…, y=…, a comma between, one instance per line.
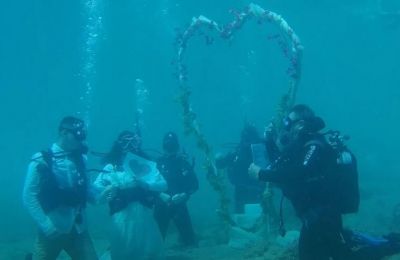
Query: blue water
x=351, y=77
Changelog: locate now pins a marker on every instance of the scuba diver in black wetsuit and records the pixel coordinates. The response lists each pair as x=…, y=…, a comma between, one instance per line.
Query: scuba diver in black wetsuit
x=246, y=189
x=321, y=181
x=182, y=183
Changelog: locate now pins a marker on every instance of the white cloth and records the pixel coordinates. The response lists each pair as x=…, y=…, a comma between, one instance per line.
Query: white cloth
x=135, y=233
x=62, y=218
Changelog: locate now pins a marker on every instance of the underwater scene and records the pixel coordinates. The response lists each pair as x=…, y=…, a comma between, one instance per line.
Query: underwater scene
x=183, y=129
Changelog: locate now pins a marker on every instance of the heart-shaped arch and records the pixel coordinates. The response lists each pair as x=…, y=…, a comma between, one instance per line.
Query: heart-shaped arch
x=291, y=49
x=288, y=41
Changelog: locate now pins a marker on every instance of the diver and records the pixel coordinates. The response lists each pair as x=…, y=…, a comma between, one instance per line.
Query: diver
x=237, y=162
x=320, y=178
x=182, y=183
x=130, y=194
x=55, y=194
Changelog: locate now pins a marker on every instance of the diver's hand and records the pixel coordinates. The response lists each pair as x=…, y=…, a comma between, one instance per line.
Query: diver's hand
x=254, y=171
x=50, y=231
x=220, y=161
x=179, y=198
x=165, y=198
x=109, y=193
x=269, y=131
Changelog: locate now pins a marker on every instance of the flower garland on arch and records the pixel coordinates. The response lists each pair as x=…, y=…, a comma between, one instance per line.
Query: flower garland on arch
x=291, y=48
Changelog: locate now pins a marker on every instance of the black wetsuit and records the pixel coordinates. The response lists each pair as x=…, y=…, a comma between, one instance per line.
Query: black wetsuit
x=305, y=176
x=180, y=177
x=246, y=190
x=302, y=176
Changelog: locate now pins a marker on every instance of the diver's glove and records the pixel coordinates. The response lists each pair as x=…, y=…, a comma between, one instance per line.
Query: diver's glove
x=269, y=131
x=49, y=230
x=224, y=160
x=109, y=193
x=165, y=198
x=179, y=198
x=254, y=171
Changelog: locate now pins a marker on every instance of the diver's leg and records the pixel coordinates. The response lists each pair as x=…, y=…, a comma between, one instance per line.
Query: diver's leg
x=335, y=244
x=80, y=246
x=48, y=248
x=313, y=243
x=305, y=244
x=184, y=225
x=268, y=205
x=239, y=197
x=162, y=215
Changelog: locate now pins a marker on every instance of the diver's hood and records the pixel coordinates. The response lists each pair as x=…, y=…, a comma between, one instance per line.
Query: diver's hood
x=316, y=124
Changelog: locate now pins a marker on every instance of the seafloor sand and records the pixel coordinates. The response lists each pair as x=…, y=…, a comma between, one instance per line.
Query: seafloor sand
x=17, y=250
x=375, y=217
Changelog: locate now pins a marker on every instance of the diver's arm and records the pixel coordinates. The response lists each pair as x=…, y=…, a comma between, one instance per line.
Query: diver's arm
x=91, y=193
x=276, y=172
x=272, y=175
x=102, y=185
x=272, y=150
x=313, y=159
x=223, y=161
x=30, y=198
x=282, y=171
